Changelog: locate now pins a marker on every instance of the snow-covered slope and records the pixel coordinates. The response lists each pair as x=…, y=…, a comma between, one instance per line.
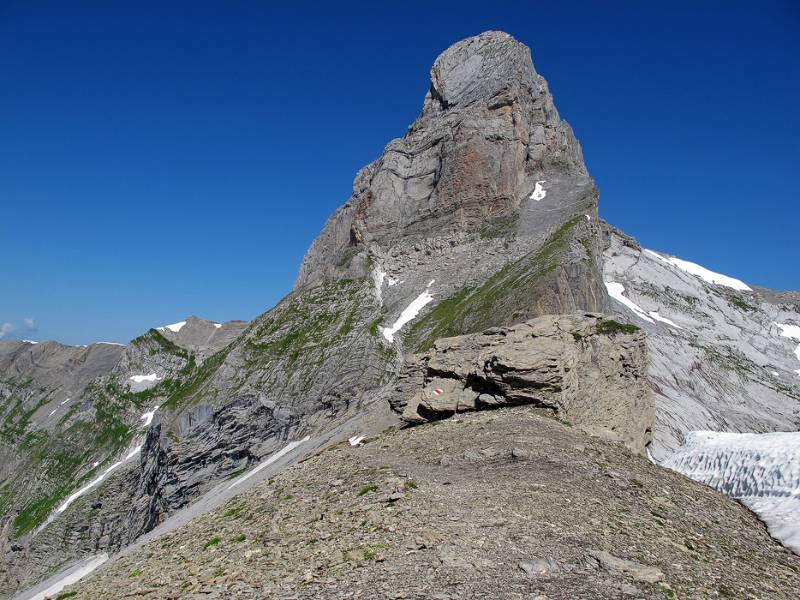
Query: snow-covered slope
x=762, y=470
x=721, y=354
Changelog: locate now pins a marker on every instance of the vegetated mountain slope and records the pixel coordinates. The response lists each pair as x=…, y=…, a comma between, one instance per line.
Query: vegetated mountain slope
x=72, y=416
x=719, y=356
x=494, y=504
x=484, y=203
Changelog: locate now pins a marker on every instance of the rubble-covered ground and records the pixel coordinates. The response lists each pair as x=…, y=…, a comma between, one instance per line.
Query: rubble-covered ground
x=496, y=504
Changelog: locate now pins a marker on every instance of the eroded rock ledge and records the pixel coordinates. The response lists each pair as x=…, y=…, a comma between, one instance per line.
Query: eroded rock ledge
x=589, y=370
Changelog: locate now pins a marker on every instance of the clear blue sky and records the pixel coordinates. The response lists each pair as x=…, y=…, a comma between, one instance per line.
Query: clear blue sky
x=160, y=159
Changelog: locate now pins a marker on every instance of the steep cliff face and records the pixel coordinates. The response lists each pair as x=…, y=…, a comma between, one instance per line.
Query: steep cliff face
x=74, y=418
x=482, y=178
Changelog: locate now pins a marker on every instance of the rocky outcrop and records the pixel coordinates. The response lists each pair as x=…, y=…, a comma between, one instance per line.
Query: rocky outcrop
x=590, y=371
x=203, y=337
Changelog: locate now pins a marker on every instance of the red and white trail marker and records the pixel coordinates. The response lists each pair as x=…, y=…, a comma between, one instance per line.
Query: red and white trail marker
x=438, y=392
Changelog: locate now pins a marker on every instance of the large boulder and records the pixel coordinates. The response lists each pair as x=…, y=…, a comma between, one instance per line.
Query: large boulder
x=589, y=370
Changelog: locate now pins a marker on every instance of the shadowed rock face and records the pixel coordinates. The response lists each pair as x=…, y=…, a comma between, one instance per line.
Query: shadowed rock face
x=68, y=413
x=592, y=372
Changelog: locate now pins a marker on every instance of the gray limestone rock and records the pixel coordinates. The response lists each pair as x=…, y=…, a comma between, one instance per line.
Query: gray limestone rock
x=719, y=362
x=589, y=370
x=484, y=177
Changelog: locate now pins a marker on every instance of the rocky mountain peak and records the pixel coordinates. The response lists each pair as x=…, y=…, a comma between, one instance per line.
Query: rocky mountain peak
x=480, y=68
x=486, y=175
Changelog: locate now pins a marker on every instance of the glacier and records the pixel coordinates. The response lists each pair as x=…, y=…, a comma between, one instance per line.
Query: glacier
x=761, y=470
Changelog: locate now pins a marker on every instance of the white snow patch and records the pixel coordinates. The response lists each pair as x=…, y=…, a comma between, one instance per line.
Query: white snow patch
x=702, y=272
x=285, y=450
x=175, y=327
x=378, y=276
x=71, y=577
x=52, y=412
x=94, y=482
x=356, y=440
x=30, y=342
x=65, y=401
x=409, y=313
x=669, y=322
x=148, y=416
x=616, y=291
x=793, y=333
x=775, y=373
x=538, y=191
x=588, y=218
x=106, y=343
x=760, y=469
x=142, y=378
x=217, y=325
x=782, y=516
x=96, y=464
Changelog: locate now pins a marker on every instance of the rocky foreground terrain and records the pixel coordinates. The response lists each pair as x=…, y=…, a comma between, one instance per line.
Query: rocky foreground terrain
x=498, y=504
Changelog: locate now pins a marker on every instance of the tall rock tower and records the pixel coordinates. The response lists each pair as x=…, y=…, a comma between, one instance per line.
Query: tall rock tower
x=487, y=175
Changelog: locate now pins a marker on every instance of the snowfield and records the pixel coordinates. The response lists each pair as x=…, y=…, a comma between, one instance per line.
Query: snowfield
x=762, y=470
x=701, y=272
x=793, y=333
x=790, y=331
x=71, y=577
x=379, y=276
x=538, y=191
x=175, y=327
x=285, y=450
x=617, y=291
x=669, y=322
x=148, y=416
x=143, y=378
x=93, y=483
x=409, y=313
